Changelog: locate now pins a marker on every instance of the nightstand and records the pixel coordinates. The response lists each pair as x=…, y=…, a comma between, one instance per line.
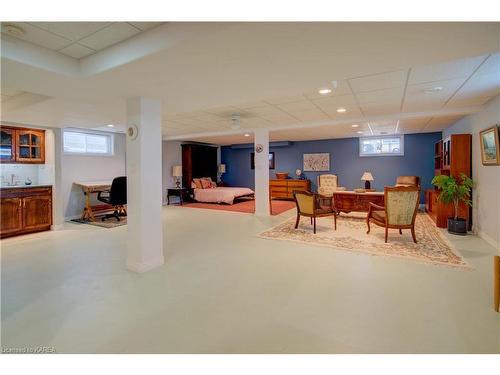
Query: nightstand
x=178, y=192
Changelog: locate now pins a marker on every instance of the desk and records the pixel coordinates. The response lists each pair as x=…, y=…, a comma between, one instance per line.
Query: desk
x=93, y=187
x=348, y=201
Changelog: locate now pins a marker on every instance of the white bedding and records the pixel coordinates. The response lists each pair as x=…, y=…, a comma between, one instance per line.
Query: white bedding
x=221, y=194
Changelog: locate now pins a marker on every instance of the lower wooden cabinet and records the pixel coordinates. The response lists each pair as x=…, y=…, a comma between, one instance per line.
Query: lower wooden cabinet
x=11, y=219
x=25, y=210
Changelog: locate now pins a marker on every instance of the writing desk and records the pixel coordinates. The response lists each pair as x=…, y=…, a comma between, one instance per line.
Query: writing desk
x=93, y=187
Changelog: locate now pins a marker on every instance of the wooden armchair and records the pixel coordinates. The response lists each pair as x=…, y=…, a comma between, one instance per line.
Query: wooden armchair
x=308, y=205
x=401, y=204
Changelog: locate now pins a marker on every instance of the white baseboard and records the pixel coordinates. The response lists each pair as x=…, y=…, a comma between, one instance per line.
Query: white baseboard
x=490, y=240
x=140, y=267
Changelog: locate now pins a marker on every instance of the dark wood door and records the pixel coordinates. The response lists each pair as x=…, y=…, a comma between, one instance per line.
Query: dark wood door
x=7, y=145
x=37, y=212
x=11, y=215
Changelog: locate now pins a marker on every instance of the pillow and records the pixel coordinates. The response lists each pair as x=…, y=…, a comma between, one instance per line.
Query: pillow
x=214, y=185
x=206, y=183
x=193, y=185
x=197, y=183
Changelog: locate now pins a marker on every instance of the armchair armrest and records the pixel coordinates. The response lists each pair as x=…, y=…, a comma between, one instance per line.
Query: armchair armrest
x=376, y=207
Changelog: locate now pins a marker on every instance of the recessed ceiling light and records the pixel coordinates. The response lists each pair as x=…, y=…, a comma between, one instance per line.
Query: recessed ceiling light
x=324, y=91
x=110, y=126
x=433, y=90
x=359, y=132
x=341, y=110
x=355, y=125
x=247, y=135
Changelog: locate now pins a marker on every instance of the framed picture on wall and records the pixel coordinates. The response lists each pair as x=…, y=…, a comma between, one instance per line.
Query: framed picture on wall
x=271, y=160
x=490, y=149
x=317, y=162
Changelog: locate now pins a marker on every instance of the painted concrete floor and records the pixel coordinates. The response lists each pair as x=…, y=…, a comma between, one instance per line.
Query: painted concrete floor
x=223, y=290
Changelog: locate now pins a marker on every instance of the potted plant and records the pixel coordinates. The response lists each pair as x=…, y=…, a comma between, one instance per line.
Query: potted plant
x=454, y=191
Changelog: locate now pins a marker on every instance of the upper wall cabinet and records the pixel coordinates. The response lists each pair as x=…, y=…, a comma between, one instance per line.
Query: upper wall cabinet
x=22, y=146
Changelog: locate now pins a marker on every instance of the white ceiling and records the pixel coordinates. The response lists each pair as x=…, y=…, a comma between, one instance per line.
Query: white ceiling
x=269, y=73
x=462, y=83
x=78, y=39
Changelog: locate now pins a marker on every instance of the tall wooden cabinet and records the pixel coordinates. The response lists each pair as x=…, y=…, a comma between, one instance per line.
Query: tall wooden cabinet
x=22, y=146
x=452, y=157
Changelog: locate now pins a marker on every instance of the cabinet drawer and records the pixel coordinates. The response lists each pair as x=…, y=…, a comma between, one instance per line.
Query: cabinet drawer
x=278, y=183
x=274, y=189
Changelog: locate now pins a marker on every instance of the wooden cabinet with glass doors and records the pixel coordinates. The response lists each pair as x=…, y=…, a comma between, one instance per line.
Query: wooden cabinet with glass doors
x=22, y=146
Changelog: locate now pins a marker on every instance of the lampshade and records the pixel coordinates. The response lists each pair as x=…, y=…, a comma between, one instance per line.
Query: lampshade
x=367, y=176
x=222, y=168
x=177, y=171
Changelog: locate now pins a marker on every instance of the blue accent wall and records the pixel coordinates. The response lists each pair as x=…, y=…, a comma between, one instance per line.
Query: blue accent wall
x=345, y=162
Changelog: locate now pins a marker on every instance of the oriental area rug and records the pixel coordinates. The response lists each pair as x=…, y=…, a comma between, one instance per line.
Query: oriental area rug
x=432, y=246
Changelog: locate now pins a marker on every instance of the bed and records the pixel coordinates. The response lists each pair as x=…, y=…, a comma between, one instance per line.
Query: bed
x=221, y=194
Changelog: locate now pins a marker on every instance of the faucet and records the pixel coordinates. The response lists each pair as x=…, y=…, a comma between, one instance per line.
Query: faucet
x=12, y=181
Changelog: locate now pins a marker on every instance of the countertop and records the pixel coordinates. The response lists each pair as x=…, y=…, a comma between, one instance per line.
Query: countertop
x=24, y=186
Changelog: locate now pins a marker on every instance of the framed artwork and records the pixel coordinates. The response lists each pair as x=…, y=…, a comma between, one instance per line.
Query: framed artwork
x=490, y=149
x=317, y=162
x=271, y=160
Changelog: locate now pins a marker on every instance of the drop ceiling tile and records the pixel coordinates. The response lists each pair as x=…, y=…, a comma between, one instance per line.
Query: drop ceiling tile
x=77, y=51
x=468, y=102
x=418, y=91
x=422, y=105
x=40, y=37
x=297, y=106
x=491, y=65
x=266, y=111
x=379, y=109
x=71, y=30
x=10, y=92
x=143, y=26
x=223, y=111
x=487, y=84
x=394, y=96
x=341, y=89
x=110, y=35
x=462, y=68
x=311, y=115
x=208, y=117
x=251, y=105
x=332, y=103
x=289, y=99
x=441, y=123
x=280, y=118
x=352, y=113
x=379, y=81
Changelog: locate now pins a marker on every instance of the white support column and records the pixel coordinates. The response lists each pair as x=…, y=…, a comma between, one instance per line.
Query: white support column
x=144, y=186
x=262, y=172
x=57, y=193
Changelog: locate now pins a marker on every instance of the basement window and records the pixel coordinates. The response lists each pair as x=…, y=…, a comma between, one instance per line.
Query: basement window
x=87, y=143
x=392, y=145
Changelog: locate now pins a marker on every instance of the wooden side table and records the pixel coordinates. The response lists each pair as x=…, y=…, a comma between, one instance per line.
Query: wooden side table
x=181, y=193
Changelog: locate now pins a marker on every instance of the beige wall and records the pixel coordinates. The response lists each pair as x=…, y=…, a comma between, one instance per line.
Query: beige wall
x=486, y=196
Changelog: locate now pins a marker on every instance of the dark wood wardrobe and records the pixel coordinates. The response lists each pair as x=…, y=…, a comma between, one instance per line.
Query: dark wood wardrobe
x=198, y=161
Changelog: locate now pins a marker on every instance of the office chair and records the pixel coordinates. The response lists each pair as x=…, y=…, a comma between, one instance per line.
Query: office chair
x=116, y=197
